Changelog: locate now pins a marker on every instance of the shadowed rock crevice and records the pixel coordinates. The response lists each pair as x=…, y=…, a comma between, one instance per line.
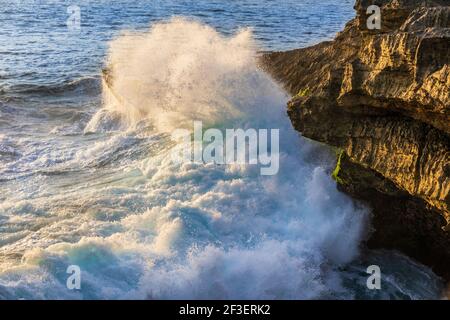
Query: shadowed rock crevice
x=382, y=96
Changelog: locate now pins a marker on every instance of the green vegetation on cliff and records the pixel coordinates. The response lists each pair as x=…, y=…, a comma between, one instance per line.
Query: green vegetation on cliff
x=337, y=169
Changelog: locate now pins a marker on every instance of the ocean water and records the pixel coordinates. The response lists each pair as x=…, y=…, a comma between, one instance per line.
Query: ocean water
x=86, y=176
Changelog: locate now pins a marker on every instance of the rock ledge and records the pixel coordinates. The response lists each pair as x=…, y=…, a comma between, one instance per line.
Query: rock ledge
x=383, y=98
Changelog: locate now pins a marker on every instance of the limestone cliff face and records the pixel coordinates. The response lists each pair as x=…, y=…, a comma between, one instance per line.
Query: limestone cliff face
x=383, y=98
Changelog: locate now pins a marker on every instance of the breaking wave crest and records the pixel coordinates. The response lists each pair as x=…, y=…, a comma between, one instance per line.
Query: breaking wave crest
x=182, y=70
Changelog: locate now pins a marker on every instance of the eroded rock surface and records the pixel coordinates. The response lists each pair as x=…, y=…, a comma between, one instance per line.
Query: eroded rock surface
x=383, y=98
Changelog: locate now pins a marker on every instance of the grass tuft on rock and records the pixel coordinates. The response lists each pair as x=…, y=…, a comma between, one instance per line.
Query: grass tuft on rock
x=303, y=93
x=337, y=169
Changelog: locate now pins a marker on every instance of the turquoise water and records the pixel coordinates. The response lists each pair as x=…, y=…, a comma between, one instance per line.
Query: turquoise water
x=82, y=185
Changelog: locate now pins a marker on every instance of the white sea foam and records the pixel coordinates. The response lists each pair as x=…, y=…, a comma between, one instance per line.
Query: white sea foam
x=142, y=226
x=183, y=70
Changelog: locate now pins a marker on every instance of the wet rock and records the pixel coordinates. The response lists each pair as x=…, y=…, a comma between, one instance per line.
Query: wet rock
x=383, y=97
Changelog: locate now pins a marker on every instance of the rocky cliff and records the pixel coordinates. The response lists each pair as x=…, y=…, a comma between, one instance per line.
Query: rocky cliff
x=381, y=97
